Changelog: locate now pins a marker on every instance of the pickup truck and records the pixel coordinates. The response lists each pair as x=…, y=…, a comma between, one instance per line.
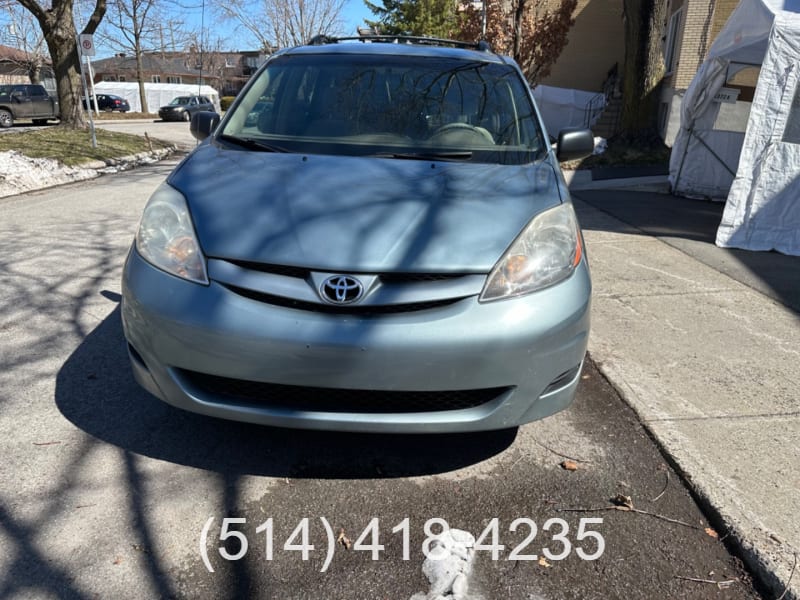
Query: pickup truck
x=26, y=101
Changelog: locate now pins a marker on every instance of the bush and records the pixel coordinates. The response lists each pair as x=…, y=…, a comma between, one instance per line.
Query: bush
x=225, y=102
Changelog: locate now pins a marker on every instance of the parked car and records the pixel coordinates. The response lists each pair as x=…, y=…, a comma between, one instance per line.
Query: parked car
x=391, y=248
x=26, y=101
x=109, y=103
x=183, y=108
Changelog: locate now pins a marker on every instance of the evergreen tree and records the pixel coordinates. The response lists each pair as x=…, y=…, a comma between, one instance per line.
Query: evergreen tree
x=432, y=18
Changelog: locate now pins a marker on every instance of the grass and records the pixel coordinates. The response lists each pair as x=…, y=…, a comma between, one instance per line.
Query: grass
x=74, y=147
x=126, y=116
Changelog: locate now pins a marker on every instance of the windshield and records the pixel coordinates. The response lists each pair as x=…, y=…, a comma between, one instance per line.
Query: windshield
x=399, y=106
x=179, y=100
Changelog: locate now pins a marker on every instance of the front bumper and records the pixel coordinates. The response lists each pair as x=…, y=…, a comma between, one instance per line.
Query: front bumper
x=525, y=353
x=170, y=115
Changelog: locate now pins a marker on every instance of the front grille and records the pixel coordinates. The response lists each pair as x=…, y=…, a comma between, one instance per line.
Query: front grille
x=288, y=271
x=304, y=273
x=349, y=309
x=290, y=397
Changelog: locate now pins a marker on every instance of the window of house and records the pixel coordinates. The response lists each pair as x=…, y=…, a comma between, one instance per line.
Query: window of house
x=671, y=41
x=229, y=64
x=156, y=78
x=121, y=78
x=174, y=80
x=109, y=77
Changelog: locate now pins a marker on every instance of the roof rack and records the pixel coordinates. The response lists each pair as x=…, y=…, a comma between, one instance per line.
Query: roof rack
x=481, y=45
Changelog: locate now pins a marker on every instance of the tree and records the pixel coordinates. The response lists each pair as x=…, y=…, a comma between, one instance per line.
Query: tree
x=433, y=18
x=643, y=69
x=286, y=23
x=22, y=32
x=58, y=28
x=131, y=19
x=533, y=32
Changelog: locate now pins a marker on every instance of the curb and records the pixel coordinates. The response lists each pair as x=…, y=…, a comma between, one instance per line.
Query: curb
x=130, y=160
x=582, y=180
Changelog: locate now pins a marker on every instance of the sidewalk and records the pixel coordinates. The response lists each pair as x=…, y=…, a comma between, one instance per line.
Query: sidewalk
x=704, y=343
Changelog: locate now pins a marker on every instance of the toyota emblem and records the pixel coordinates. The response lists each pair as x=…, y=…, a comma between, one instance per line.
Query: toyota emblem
x=342, y=289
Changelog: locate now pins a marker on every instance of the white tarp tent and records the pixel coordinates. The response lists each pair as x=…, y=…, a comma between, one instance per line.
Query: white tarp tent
x=762, y=211
x=158, y=94
x=563, y=107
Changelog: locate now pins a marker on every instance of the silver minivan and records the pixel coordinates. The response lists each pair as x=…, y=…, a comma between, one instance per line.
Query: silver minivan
x=387, y=245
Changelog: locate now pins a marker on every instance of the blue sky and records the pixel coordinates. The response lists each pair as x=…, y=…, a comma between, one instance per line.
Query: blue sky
x=355, y=12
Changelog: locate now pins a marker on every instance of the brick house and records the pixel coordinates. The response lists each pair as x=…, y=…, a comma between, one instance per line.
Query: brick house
x=690, y=29
x=227, y=72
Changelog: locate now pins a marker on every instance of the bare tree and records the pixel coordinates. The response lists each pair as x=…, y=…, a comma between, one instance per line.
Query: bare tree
x=285, y=23
x=131, y=28
x=533, y=32
x=57, y=22
x=21, y=31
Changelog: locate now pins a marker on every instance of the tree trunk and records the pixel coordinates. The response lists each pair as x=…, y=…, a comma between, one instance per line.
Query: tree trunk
x=61, y=37
x=58, y=29
x=644, y=67
x=35, y=71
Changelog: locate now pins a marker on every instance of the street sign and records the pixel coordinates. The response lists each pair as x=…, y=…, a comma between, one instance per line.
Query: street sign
x=86, y=44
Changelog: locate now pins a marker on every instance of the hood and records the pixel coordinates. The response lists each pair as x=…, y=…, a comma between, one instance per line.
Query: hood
x=359, y=214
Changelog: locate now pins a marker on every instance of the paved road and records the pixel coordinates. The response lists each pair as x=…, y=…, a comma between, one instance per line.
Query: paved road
x=104, y=491
x=176, y=133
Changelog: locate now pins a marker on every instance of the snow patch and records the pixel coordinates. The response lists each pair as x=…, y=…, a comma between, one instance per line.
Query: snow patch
x=19, y=173
x=448, y=566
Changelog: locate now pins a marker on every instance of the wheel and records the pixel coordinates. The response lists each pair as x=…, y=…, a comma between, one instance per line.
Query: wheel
x=6, y=118
x=186, y=116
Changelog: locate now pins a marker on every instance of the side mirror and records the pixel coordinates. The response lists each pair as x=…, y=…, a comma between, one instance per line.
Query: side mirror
x=574, y=144
x=203, y=124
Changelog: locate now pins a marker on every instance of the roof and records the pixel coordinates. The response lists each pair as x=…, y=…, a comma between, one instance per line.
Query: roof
x=389, y=47
x=172, y=64
x=15, y=55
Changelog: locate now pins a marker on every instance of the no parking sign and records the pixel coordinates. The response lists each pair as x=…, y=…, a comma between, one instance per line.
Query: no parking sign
x=86, y=44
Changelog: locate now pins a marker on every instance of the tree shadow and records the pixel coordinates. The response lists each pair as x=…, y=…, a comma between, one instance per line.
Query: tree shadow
x=96, y=391
x=691, y=226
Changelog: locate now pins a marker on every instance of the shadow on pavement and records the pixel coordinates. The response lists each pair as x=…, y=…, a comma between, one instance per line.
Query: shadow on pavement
x=691, y=226
x=96, y=391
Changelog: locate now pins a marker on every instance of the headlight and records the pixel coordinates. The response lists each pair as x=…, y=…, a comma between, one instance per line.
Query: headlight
x=546, y=252
x=166, y=237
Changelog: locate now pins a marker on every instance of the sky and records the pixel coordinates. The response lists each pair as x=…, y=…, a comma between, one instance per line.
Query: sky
x=354, y=14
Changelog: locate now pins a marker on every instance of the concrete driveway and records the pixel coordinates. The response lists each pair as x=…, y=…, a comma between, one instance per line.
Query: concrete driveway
x=107, y=492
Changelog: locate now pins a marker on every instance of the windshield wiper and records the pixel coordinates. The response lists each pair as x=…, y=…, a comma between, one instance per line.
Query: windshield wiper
x=252, y=144
x=451, y=156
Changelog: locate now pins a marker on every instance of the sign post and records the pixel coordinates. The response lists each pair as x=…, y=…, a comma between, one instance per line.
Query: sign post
x=86, y=51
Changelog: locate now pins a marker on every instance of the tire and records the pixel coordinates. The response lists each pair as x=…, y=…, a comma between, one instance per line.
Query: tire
x=6, y=118
x=186, y=116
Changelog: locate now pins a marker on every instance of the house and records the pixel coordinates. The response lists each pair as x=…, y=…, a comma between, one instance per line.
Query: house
x=224, y=71
x=691, y=27
x=16, y=65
